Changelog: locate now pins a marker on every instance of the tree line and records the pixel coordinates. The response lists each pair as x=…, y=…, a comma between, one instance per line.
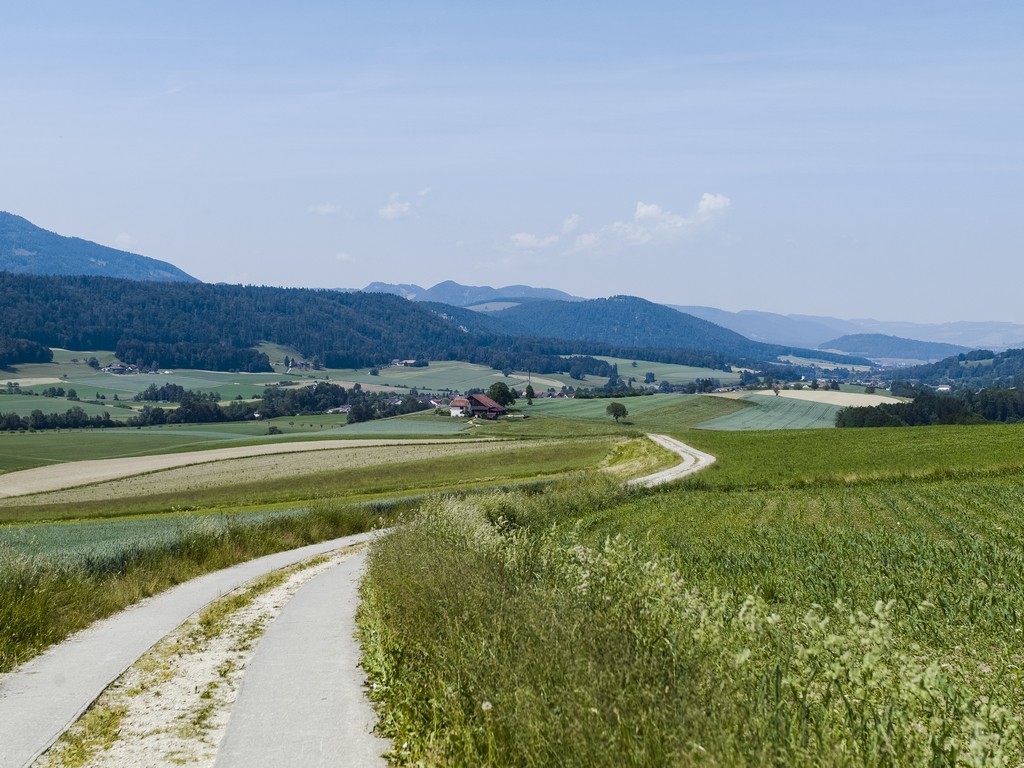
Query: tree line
x=992, y=404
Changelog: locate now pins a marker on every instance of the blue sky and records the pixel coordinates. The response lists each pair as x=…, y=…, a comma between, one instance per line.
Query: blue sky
x=849, y=159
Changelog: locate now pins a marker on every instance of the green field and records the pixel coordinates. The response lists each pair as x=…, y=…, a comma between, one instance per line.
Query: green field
x=817, y=598
x=673, y=374
x=439, y=376
x=771, y=412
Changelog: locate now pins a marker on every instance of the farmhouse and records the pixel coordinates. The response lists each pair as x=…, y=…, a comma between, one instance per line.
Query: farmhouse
x=476, y=405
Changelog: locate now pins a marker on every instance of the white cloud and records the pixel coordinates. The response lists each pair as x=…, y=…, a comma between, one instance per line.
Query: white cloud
x=652, y=224
x=325, y=209
x=711, y=206
x=526, y=240
x=396, y=209
x=124, y=240
x=343, y=257
x=570, y=224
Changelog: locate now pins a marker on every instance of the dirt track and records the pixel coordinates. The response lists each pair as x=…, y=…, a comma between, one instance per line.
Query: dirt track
x=90, y=472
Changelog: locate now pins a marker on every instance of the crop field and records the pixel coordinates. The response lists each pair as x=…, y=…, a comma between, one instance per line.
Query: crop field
x=772, y=412
x=668, y=413
x=23, y=405
x=828, y=597
x=673, y=374
x=71, y=543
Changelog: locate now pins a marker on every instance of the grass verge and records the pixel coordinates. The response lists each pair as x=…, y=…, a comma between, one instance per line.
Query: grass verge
x=509, y=629
x=42, y=601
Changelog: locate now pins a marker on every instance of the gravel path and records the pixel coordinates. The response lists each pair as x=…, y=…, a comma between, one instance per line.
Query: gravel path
x=692, y=461
x=301, y=701
x=41, y=698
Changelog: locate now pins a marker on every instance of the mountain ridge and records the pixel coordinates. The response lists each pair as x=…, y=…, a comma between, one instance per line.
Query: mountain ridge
x=29, y=249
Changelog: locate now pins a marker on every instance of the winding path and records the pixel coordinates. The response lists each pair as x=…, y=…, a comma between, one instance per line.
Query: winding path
x=693, y=461
x=301, y=702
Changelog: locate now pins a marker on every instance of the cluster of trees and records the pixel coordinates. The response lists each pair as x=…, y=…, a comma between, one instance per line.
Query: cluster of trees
x=18, y=351
x=73, y=418
x=173, y=393
x=967, y=407
x=187, y=354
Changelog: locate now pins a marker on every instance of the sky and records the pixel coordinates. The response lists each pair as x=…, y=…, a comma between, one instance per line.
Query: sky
x=846, y=159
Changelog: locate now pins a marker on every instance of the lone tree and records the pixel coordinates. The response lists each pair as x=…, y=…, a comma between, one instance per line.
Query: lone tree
x=501, y=394
x=530, y=394
x=616, y=411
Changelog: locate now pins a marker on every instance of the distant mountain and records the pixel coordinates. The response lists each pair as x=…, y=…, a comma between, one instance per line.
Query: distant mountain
x=450, y=292
x=629, y=321
x=814, y=330
x=772, y=328
x=28, y=249
x=972, y=334
x=877, y=346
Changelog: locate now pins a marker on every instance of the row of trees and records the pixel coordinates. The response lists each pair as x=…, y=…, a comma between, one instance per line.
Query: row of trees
x=73, y=418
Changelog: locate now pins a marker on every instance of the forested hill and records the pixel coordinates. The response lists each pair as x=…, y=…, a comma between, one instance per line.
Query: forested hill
x=216, y=326
x=28, y=249
x=881, y=346
x=974, y=370
x=636, y=322
x=195, y=325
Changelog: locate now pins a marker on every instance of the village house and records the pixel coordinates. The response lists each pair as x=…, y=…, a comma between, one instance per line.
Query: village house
x=476, y=405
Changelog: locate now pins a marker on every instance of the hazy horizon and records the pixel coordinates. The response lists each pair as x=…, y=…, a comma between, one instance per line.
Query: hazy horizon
x=846, y=161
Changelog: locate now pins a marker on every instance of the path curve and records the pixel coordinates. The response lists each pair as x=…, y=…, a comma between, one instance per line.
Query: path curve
x=693, y=461
x=41, y=698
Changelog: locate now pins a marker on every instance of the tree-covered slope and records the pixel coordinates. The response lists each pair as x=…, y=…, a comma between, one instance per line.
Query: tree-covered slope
x=28, y=249
x=638, y=323
x=881, y=346
x=200, y=325
x=975, y=370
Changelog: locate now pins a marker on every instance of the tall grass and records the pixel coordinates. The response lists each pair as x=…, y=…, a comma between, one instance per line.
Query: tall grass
x=45, y=599
x=497, y=631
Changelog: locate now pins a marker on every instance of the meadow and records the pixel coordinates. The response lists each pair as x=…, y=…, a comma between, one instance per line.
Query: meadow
x=854, y=600
x=816, y=597
x=771, y=412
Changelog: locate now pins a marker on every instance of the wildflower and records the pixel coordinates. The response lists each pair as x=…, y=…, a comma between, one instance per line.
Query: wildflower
x=486, y=706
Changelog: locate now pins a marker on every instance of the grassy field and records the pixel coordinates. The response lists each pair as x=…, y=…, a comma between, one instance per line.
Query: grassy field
x=854, y=600
x=771, y=412
x=817, y=597
x=69, y=369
